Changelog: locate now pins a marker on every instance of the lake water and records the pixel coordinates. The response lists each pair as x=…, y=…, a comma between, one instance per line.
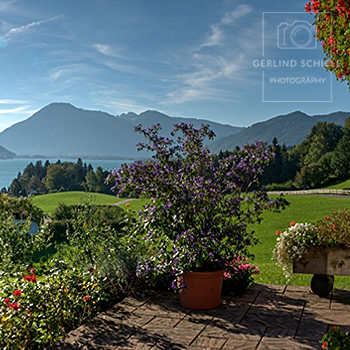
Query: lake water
x=9, y=168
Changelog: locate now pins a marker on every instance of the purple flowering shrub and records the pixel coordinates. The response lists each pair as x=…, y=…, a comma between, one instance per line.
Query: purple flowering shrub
x=200, y=207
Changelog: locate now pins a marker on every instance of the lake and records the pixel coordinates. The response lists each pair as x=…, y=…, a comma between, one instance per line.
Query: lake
x=9, y=168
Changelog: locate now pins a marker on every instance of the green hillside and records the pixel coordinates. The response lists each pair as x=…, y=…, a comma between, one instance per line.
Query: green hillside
x=48, y=202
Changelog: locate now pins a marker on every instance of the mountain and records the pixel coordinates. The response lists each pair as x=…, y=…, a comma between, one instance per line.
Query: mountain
x=290, y=129
x=5, y=154
x=61, y=129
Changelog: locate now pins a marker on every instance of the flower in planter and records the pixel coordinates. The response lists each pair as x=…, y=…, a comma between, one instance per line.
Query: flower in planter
x=330, y=231
x=201, y=203
x=238, y=276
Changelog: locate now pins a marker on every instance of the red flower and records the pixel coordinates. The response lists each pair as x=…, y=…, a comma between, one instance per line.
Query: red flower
x=278, y=232
x=6, y=300
x=17, y=293
x=14, y=306
x=326, y=218
x=87, y=298
x=30, y=278
x=292, y=223
x=324, y=345
x=127, y=204
x=334, y=227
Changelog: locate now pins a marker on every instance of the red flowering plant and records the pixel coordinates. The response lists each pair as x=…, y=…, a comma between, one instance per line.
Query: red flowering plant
x=37, y=312
x=330, y=231
x=201, y=208
x=336, y=339
x=332, y=29
x=238, y=276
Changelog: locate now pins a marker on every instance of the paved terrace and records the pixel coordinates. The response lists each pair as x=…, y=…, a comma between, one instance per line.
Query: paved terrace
x=266, y=317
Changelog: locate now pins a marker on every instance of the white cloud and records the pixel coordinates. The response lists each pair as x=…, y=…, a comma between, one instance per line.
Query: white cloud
x=19, y=30
x=231, y=16
x=9, y=101
x=108, y=50
x=222, y=62
x=13, y=110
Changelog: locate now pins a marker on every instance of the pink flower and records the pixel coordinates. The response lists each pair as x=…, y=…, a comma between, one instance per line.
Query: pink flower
x=87, y=298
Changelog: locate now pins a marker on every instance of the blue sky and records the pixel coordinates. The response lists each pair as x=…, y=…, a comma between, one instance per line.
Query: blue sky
x=231, y=61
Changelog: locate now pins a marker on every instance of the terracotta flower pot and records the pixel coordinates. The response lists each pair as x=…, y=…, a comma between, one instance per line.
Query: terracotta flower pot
x=203, y=290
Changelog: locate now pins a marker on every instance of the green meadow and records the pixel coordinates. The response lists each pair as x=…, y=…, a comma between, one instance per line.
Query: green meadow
x=48, y=202
x=306, y=208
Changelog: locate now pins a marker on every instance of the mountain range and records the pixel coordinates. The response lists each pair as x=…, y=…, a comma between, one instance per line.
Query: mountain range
x=62, y=130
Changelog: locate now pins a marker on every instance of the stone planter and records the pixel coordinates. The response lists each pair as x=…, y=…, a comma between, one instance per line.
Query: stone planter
x=323, y=263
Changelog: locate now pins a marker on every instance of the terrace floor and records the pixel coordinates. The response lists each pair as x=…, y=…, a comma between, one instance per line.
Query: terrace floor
x=266, y=317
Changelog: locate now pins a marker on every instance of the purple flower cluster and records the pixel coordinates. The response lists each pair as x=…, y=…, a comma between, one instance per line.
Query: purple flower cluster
x=201, y=206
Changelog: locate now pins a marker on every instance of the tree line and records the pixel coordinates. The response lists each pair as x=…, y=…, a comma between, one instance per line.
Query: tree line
x=321, y=159
x=49, y=177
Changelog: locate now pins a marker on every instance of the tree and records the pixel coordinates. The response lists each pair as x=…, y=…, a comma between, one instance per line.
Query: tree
x=332, y=28
x=56, y=177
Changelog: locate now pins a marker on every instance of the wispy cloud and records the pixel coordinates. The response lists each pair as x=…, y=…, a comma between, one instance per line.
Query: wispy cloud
x=221, y=61
x=13, y=110
x=108, y=50
x=20, y=30
x=10, y=101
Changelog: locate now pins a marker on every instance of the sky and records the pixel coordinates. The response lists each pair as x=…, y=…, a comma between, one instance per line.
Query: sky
x=229, y=61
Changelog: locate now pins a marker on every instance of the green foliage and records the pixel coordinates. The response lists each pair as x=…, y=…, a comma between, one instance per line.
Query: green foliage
x=336, y=339
x=59, y=176
x=91, y=241
x=35, y=313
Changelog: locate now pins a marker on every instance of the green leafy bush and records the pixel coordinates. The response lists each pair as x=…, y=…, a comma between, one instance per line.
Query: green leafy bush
x=35, y=313
x=336, y=339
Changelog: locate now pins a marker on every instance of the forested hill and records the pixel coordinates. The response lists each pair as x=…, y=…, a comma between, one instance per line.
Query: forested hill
x=290, y=129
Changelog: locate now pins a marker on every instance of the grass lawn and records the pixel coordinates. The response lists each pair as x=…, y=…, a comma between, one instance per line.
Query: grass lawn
x=48, y=202
x=302, y=209
x=341, y=186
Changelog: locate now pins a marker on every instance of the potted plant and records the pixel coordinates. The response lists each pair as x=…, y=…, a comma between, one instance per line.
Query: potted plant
x=322, y=249
x=200, y=207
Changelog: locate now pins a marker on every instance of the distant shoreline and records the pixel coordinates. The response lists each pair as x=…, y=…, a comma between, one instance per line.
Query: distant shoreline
x=73, y=157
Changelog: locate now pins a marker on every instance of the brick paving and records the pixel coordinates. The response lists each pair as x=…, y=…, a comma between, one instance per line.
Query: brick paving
x=265, y=317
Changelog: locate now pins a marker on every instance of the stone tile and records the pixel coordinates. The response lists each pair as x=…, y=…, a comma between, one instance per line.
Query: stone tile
x=163, y=307
x=209, y=342
x=249, y=296
x=311, y=329
x=270, y=318
x=280, y=332
x=273, y=288
x=340, y=318
x=299, y=289
x=242, y=342
x=161, y=322
x=285, y=344
x=275, y=301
